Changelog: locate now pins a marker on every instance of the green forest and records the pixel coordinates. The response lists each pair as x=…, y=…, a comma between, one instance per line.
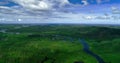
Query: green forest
x=58, y=43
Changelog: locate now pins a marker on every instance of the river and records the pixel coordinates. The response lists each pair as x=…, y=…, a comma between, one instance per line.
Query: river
x=86, y=48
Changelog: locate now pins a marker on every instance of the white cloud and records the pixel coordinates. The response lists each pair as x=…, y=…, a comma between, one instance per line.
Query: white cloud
x=52, y=11
x=41, y=4
x=34, y=4
x=4, y=7
x=85, y=2
x=102, y=1
x=115, y=10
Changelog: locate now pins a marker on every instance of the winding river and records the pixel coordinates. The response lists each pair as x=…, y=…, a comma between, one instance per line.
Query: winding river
x=86, y=48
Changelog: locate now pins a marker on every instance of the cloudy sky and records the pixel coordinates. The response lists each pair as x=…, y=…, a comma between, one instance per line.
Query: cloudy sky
x=60, y=11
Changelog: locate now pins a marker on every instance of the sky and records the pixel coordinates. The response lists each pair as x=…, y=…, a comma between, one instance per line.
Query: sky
x=60, y=11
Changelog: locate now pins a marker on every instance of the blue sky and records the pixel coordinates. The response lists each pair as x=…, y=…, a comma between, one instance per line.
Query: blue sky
x=60, y=11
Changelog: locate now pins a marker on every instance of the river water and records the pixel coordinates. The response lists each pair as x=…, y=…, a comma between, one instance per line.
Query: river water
x=86, y=48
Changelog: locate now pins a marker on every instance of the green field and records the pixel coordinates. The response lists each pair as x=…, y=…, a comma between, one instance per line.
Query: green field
x=58, y=43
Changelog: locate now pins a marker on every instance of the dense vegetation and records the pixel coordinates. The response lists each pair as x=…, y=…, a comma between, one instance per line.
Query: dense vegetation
x=57, y=43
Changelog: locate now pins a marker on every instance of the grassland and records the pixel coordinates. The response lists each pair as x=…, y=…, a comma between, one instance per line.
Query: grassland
x=57, y=43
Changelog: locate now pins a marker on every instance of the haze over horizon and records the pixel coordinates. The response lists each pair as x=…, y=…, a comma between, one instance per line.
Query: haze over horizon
x=60, y=11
